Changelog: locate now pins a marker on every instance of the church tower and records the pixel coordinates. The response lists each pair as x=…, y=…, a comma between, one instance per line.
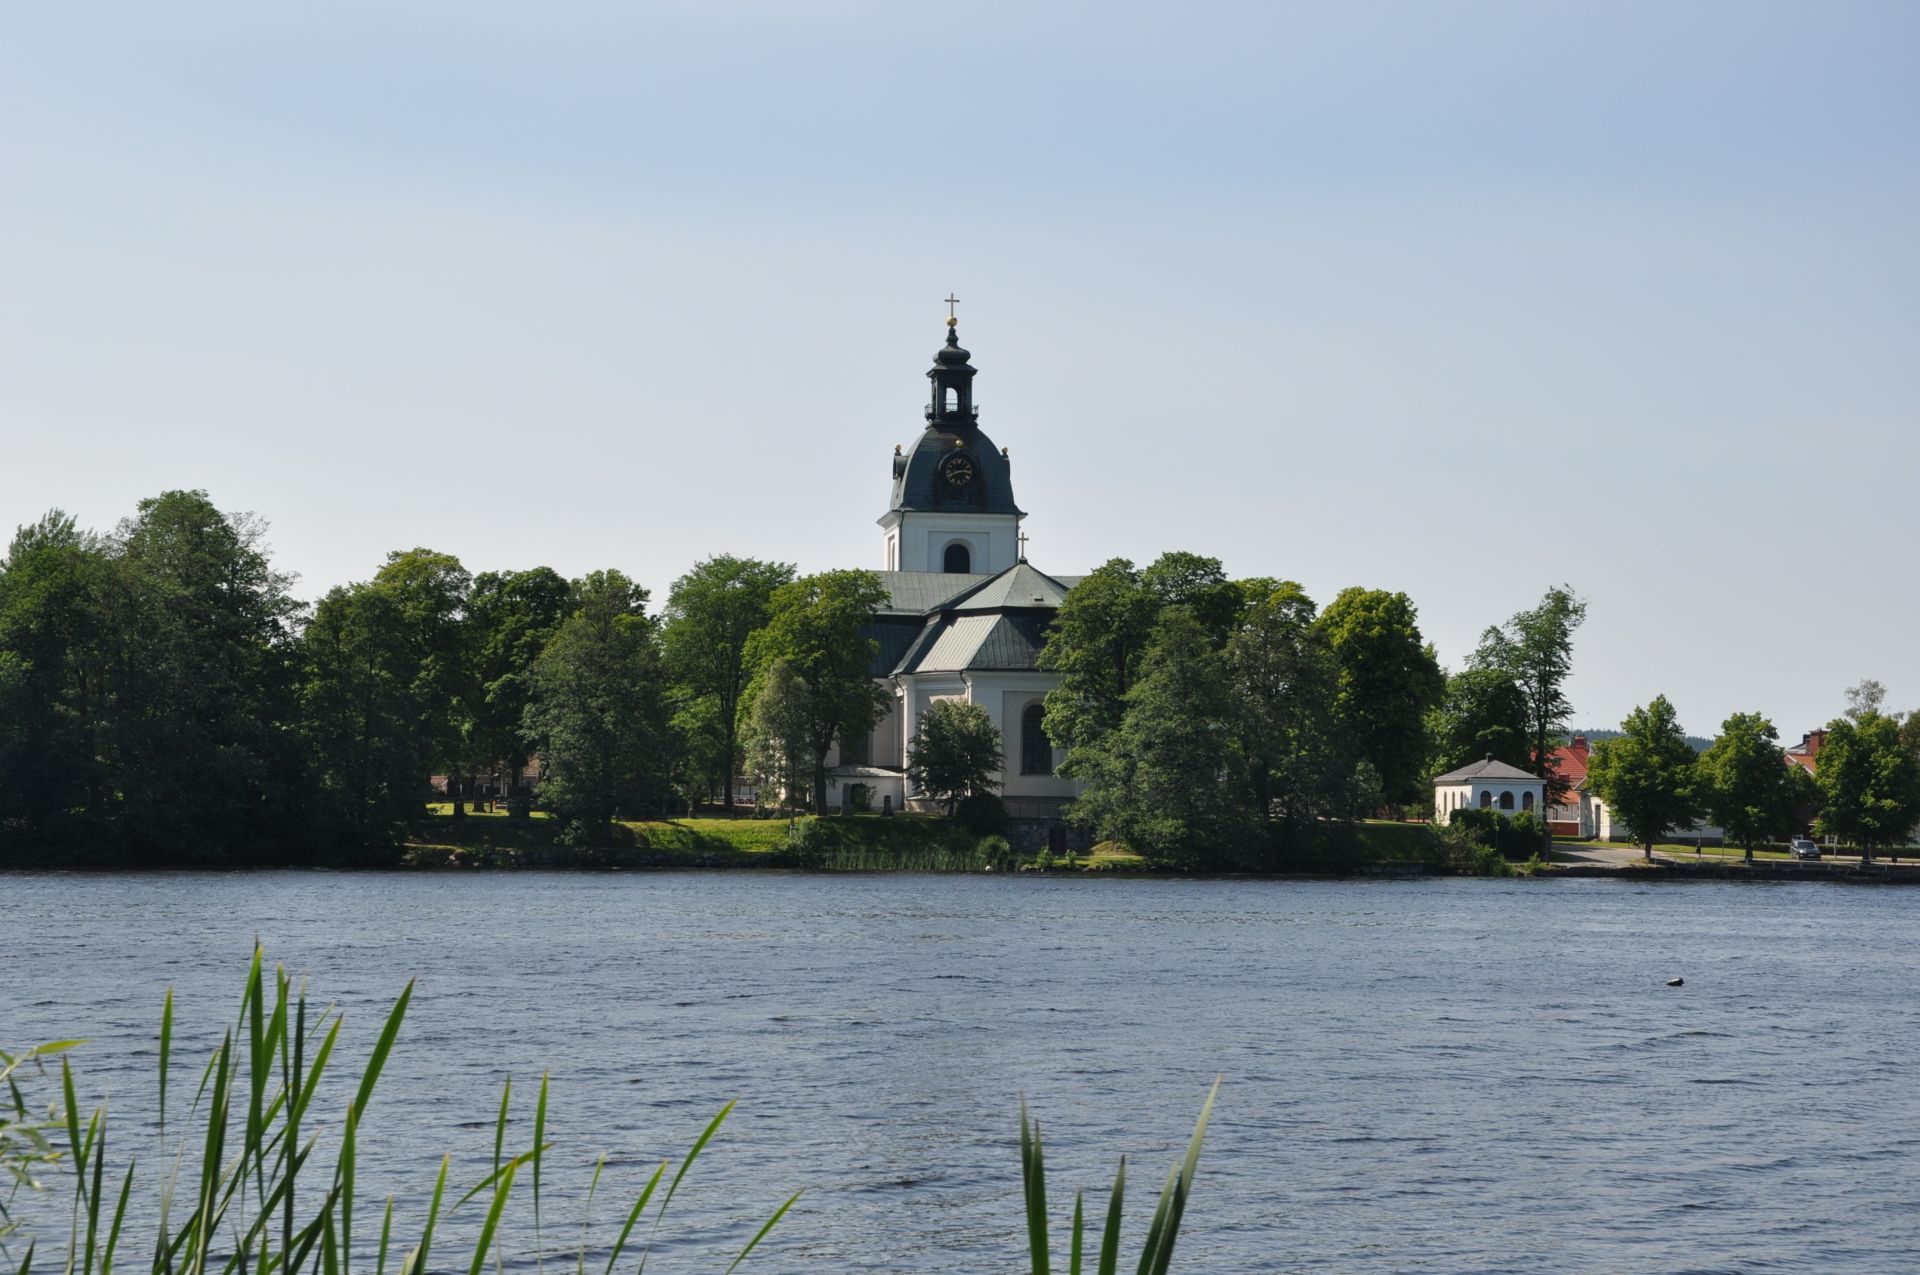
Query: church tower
x=952, y=508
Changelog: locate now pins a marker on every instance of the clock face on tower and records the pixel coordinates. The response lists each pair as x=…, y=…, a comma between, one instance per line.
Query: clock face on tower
x=957, y=469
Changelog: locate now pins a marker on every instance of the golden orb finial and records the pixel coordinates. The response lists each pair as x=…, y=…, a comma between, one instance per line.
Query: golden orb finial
x=952, y=322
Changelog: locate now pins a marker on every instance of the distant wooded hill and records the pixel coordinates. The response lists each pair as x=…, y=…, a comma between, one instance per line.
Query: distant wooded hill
x=1699, y=744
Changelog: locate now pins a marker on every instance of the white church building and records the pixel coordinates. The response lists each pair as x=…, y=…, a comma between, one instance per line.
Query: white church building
x=966, y=614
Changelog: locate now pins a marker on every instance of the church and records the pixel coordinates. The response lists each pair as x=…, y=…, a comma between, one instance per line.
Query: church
x=966, y=614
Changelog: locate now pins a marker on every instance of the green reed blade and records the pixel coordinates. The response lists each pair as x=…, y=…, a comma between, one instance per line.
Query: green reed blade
x=1033, y=1181
x=586, y=1212
x=492, y=1224
x=93, y=1197
x=319, y=1065
x=329, y=1250
x=639, y=1207
x=344, y=1169
x=417, y=1260
x=73, y=1120
x=500, y=1123
x=1110, y=1239
x=26, y=1263
x=382, y=1048
x=1162, y=1251
x=539, y=1137
x=1157, y=1228
x=493, y=1179
x=119, y=1216
x=166, y=1051
x=386, y=1237
x=1079, y=1231
x=699, y=1144
x=762, y=1233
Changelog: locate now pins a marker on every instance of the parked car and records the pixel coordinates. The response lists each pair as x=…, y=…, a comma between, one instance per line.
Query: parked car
x=1804, y=848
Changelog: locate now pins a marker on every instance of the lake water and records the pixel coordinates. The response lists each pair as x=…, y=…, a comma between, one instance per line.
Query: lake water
x=1435, y=1075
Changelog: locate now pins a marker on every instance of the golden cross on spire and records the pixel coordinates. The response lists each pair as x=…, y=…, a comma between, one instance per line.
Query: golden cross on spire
x=952, y=301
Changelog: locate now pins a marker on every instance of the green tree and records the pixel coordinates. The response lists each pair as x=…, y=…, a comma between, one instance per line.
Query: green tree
x=1483, y=713
x=1746, y=783
x=512, y=615
x=1095, y=643
x=1646, y=774
x=817, y=628
x=56, y=795
x=429, y=592
x=598, y=709
x=1869, y=781
x=955, y=753
x=712, y=613
x=1200, y=585
x=360, y=721
x=779, y=749
x=1169, y=781
x=1283, y=684
x=1535, y=650
x=1388, y=681
x=203, y=678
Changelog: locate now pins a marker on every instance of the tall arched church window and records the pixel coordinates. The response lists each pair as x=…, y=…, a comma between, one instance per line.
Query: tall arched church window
x=1036, y=750
x=1486, y=799
x=1526, y=801
x=958, y=560
x=1506, y=801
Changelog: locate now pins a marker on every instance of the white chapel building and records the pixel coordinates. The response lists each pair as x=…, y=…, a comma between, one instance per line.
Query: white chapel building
x=966, y=614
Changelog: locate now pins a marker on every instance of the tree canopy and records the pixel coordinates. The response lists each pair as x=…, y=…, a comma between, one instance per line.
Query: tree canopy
x=1869, y=781
x=1535, y=649
x=1388, y=681
x=1646, y=774
x=712, y=613
x=1746, y=783
x=955, y=753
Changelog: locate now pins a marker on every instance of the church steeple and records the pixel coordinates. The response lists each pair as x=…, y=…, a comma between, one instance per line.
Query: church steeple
x=952, y=377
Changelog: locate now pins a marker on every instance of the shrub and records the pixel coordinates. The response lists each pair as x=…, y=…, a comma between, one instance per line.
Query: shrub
x=995, y=852
x=982, y=814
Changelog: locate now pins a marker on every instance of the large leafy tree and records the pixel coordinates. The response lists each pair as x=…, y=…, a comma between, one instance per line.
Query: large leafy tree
x=1283, y=683
x=1535, y=650
x=1169, y=781
x=56, y=793
x=1483, y=713
x=1646, y=774
x=598, y=709
x=1388, y=680
x=1869, y=780
x=816, y=629
x=512, y=615
x=204, y=631
x=711, y=614
x=360, y=720
x=1198, y=584
x=955, y=753
x=1096, y=643
x=429, y=592
x=1745, y=782
x=779, y=741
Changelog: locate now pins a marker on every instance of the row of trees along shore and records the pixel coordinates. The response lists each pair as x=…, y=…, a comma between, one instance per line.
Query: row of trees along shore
x=1864, y=791
x=1224, y=723
x=165, y=699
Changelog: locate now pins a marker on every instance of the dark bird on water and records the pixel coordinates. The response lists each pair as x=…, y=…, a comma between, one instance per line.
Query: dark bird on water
x=1676, y=982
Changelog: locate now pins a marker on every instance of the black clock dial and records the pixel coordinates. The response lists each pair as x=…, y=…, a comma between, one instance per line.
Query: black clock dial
x=958, y=470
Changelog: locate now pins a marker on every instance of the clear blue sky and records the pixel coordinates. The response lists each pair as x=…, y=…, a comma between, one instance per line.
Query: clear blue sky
x=1462, y=299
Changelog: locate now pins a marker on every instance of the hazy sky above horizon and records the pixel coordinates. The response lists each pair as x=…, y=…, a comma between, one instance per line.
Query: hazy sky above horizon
x=1466, y=300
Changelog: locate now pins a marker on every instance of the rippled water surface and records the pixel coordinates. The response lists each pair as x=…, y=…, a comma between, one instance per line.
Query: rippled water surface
x=1457, y=1075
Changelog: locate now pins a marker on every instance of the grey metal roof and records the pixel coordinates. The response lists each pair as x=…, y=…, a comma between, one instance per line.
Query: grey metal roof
x=1018, y=586
x=918, y=592
x=893, y=637
x=956, y=643
x=1487, y=769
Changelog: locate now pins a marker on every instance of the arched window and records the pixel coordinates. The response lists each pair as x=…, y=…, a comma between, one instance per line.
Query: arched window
x=1506, y=801
x=1036, y=750
x=958, y=561
x=1526, y=801
x=1486, y=799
